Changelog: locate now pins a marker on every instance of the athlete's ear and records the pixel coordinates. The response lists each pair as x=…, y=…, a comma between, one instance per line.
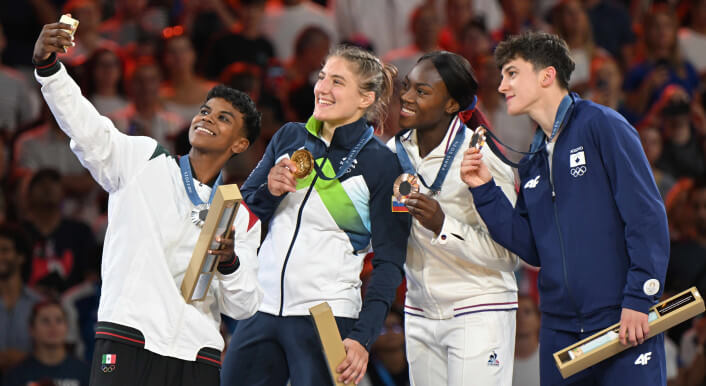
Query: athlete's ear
x=548, y=76
x=239, y=145
x=451, y=106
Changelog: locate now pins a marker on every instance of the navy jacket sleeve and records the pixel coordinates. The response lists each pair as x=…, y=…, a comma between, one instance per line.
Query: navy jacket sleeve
x=255, y=192
x=639, y=204
x=509, y=227
x=389, y=239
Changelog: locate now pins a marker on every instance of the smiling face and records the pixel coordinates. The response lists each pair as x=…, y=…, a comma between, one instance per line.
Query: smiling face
x=424, y=99
x=521, y=85
x=338, y=100
x=218, y=127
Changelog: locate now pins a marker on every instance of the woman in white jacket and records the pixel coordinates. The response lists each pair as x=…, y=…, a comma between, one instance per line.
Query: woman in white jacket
x=462, y=294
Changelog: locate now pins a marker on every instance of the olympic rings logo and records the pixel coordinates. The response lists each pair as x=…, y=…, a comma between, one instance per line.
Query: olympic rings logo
x=108, y=369
x=578, y=171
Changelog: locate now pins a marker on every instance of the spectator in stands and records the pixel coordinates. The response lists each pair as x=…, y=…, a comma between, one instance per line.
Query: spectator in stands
x=244, y=42
x=570, y=21
x=683, y=153
x=132, y=19
x=519, y=18
x=46, y=146
x=526, y=370
x=652, y=143
x=16, y=299
x=103, y=81
x=474, y=42
x=385, y=24
x=285, y=21
x=50, y=361
x=146, y=115
x=203, y=20
x=311, y=47
x=692, y=39
x=64, y=251
x=183, y=90
x=425, y=27
x=458, y=14
x=18, y=105
x=663, y=64
x=687, y=263
x=606, y=85
x=612, y=29
x=693, y=354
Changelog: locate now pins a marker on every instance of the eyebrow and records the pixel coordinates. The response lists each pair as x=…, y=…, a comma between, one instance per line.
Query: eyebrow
x=508, y=68
x=205, y=106
x=417, y=84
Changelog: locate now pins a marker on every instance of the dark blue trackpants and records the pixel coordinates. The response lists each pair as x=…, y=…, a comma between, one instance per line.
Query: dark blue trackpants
x=268, y=350
x=629, y=367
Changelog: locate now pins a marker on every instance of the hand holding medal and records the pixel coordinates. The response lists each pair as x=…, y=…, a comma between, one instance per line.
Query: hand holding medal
x=281, y=178
x=427, y=211
x=473, y=171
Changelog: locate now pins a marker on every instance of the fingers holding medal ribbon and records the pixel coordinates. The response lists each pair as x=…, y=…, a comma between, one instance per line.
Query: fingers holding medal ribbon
x=405, y=185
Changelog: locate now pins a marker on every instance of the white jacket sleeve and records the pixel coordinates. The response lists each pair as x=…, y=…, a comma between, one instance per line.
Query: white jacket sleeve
x=111, y=156
x=473, y=242
x=240, y=293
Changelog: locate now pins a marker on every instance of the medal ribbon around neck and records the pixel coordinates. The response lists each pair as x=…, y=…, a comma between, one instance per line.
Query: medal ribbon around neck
x=407, y=166
x=188, y=180
x=352, y=154
x=539, y=142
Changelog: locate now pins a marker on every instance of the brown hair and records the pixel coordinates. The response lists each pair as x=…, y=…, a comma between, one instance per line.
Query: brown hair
x=373, y=75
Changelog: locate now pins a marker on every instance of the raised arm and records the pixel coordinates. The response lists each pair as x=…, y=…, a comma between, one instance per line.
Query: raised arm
x=507, y=225
x=110, y=156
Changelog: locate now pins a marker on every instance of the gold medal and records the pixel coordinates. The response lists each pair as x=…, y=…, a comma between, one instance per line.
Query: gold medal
x=304, y=161
x=405, y=185
x=478, y=138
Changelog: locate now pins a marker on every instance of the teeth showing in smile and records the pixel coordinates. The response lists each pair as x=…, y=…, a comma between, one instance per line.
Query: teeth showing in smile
x=407, y=111
x=199, y=128
x=325, y=102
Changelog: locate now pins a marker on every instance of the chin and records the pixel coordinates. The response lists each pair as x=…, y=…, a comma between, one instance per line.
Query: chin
x=406, y=123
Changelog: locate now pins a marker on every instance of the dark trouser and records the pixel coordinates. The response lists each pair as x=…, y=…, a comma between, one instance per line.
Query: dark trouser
x=644, y=364
x=268, y=350
x=120, y=359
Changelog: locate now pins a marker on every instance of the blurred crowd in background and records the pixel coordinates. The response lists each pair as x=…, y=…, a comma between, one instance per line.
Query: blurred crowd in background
x=147, y=65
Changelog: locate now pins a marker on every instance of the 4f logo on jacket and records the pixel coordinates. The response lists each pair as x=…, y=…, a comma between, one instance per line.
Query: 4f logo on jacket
x=531, y=184
x=643, y=359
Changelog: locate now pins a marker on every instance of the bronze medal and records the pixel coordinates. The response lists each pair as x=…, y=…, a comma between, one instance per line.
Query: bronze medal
x=478, y=138
x=304, y=161
x=405, y=185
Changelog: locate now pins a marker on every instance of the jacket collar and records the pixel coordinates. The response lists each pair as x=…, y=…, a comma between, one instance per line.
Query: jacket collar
x=345, y=136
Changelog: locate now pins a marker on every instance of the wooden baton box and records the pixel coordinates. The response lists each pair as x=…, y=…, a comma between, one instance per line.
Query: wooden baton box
x=330, y=337
x=605, y=343
x=219, y=222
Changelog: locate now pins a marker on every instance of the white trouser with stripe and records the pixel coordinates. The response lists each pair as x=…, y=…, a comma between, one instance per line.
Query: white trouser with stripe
x=472, y=349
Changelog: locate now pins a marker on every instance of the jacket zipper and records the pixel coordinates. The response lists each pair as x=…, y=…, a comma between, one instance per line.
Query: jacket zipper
x=561, y=241
x=294, y=237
